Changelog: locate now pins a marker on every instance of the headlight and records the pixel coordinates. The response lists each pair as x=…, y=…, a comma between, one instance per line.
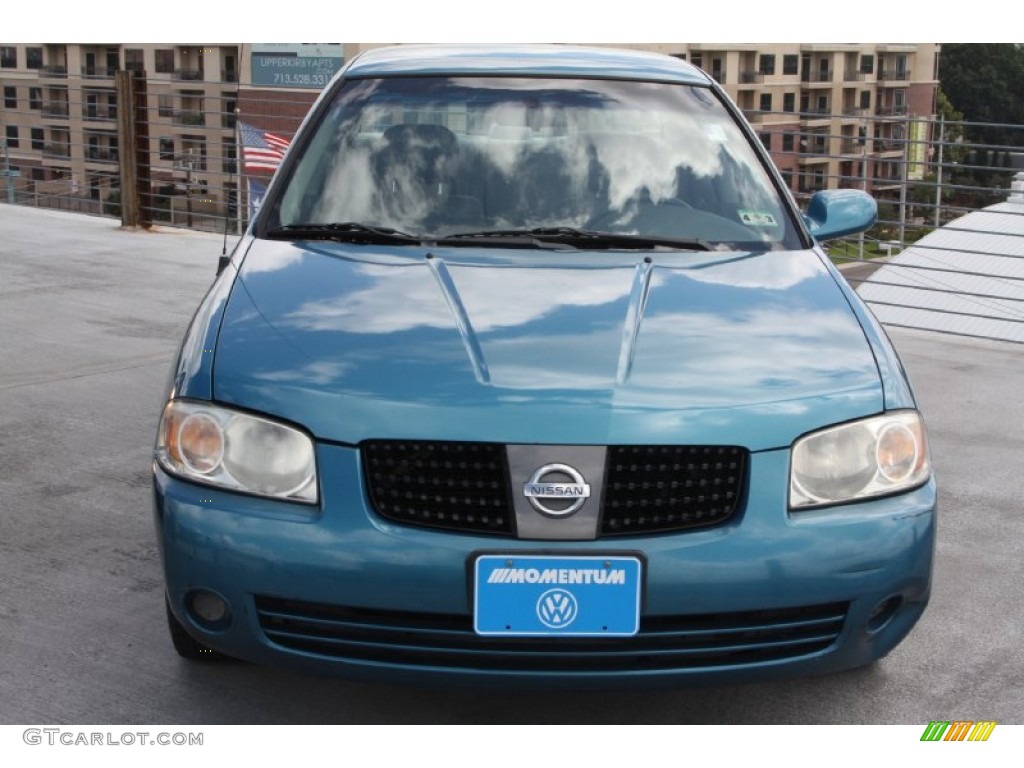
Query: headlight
x=238, y=451
x=873, y=457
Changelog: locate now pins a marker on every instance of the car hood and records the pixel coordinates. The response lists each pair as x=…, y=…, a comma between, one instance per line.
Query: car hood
x=537, y=346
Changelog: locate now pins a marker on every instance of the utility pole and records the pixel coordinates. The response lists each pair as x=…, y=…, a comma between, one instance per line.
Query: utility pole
x=238, y=175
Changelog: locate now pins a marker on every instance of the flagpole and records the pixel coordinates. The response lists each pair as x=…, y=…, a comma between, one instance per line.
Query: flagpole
x=240, y=161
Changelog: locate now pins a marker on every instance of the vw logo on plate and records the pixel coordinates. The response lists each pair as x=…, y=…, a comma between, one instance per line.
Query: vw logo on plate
x=557, y=608
x=556, y=490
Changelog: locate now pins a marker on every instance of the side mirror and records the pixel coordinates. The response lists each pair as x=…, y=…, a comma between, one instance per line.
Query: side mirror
x=836, y=213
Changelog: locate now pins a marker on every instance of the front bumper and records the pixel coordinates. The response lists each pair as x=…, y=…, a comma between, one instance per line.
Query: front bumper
x=338, y=589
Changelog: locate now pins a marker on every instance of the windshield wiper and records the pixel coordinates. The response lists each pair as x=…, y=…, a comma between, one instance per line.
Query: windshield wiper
x=346, y=232
x=584, y=238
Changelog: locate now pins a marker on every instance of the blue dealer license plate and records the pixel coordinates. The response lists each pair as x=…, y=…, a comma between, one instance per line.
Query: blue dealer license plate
x=553, y=595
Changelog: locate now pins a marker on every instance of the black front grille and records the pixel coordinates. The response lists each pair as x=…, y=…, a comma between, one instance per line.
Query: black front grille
x=452, y=485
x=447, y=640
x=465, y=486
x=670, y=488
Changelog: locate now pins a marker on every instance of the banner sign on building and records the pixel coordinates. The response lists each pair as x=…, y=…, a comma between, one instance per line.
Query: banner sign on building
x=917, y=150
x=304, y=65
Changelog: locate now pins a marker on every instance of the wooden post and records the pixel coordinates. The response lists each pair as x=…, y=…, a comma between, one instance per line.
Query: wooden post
x=143, y=174
x=126, y=141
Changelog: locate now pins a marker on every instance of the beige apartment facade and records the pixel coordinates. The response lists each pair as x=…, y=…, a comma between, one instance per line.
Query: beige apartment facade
x=831, y=114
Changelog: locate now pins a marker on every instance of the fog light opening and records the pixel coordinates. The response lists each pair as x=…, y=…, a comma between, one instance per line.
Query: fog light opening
x=208, y=609
x=884, y=612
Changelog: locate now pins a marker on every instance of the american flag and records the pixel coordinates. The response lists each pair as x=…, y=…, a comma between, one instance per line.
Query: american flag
x=262, y=151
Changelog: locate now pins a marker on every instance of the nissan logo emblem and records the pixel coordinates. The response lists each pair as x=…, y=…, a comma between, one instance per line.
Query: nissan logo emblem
x=556, y=490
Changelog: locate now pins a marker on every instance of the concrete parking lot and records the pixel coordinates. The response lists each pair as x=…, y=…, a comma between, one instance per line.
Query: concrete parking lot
x=90, y=318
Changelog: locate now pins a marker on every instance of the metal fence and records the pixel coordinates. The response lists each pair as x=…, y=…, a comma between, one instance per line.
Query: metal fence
x=167, y=152
x=79, y=142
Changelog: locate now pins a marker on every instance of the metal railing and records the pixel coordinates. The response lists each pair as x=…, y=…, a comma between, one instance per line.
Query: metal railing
x=924, y=174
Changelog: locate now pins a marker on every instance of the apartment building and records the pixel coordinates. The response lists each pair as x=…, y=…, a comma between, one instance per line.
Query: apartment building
x=831, y=113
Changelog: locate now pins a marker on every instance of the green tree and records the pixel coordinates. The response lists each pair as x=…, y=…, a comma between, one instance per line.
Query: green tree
x=985, y=81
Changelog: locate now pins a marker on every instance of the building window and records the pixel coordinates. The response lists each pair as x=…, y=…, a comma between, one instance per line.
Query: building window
x=165, y=105
x=865, y=99
x=165, y=60
x=166, y=149
x=228, y=115
x=680, y=56
x=10, y=97
x=35, y=98
x=38, y=174
x=33, y=58
x=766, y=140
x=718, y=70
x=867, y=63
x=8, y=57
x=38, y=138
x=788, y=102
x=787, y=142
x=228, y=156
x=766, y=102
x=12, y=136
x=697, y=60
x=766, y=65
x=134, y=59
x=790, y=64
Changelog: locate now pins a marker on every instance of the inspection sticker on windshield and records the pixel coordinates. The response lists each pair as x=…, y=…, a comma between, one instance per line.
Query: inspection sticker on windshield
x=516, y=595
x=758, y=219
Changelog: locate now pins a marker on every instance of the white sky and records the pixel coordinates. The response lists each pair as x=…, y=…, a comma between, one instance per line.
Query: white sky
x=485, y=21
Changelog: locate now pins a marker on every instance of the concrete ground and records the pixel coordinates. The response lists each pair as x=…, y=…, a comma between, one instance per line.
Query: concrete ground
x=90, y=318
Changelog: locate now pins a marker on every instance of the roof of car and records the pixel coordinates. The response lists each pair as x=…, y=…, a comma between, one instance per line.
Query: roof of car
x=555, y=60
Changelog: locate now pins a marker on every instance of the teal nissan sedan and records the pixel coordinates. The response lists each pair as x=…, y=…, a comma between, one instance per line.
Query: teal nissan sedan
x=530, y=371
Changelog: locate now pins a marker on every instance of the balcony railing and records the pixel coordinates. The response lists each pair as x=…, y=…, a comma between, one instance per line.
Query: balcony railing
x=97, y=155
x=856, y=111
x=100, y=114
x=852, y=147
x=228, y=76
x=718, y=75
x=60, y=151
x=187, y=74
x=754, y=115
x=99, y=73
x=810, y=186
x=815, y=147
x=854, y=76
x=897, y=111
x=751, y=76
x=889, y=145
x=894, y=74
x=815, y=113
x=53, y=71
x=818, y=76
x=55, y=109
x=189, y=117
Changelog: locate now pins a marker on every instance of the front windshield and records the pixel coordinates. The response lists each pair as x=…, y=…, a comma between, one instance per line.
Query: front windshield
x=443, y=156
